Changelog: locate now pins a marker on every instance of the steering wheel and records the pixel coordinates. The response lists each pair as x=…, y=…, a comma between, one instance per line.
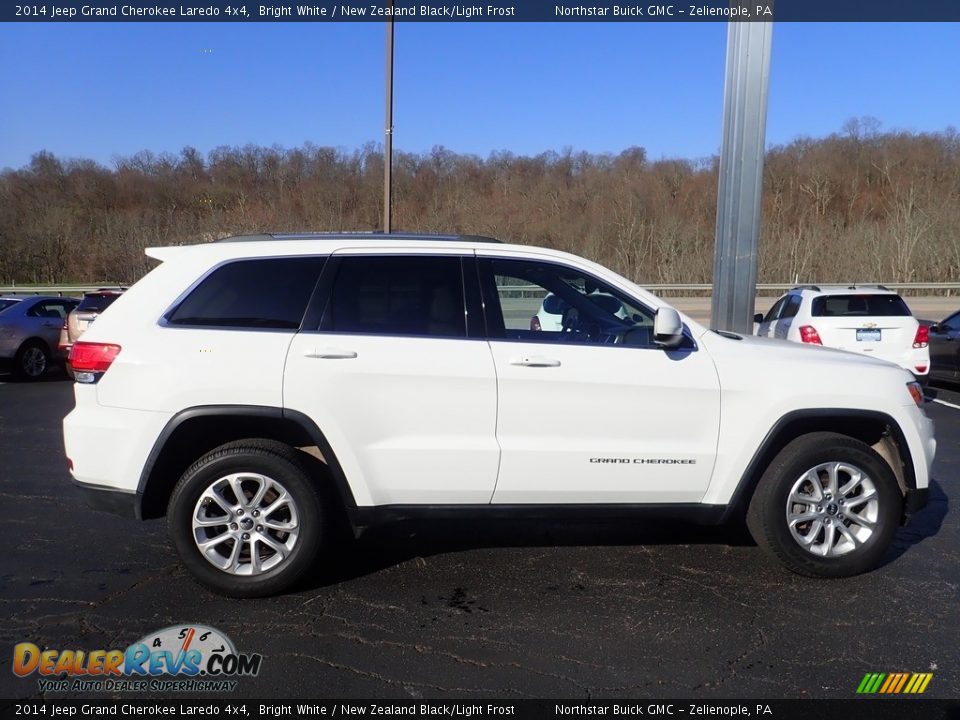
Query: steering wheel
x=570, y=321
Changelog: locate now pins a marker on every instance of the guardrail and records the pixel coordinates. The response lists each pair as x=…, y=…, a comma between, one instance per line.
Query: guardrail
x=668, y=289
x=947, y=288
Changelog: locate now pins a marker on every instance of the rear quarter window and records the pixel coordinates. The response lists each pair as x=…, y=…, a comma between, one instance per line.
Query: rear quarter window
x=859, y=306
x=270, y=293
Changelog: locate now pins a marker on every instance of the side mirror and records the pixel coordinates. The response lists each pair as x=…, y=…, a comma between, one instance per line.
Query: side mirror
x=758, y=318
x=667, y=327
x=935, y=328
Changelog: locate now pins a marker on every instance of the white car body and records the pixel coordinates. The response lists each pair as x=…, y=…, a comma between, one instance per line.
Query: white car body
x=470, y=422
x=840, y=317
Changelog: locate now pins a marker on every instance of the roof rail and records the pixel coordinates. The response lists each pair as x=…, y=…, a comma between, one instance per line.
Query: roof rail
x=361, y=235
x=815, y=288
x=857, y=286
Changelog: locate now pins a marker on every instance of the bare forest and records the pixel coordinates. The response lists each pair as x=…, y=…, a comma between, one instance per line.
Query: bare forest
x=859, y=205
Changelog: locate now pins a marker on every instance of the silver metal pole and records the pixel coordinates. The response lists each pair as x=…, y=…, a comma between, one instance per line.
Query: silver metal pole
x=741, y=175
x=388, y=132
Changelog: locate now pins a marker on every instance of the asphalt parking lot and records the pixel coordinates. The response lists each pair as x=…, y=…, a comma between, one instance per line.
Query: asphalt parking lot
x=471, y=611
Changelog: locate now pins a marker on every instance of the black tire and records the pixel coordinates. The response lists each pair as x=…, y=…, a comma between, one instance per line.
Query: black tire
x=32, y=360
x=282, y=465
x=767, y=516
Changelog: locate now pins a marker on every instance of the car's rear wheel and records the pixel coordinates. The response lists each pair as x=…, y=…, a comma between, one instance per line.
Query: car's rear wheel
x=32, y=360
x=247, y=519
x=827, y=506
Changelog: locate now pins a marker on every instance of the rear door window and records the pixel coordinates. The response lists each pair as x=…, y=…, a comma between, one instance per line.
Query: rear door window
x=419, y=296
x=53, y=309
x=859, y=306
x=267, y=293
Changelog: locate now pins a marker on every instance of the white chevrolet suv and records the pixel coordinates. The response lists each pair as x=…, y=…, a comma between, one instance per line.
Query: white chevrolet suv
x=259, y=390
x=866, y=319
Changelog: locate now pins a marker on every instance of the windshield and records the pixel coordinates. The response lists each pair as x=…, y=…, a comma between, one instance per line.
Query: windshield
x=6, y=303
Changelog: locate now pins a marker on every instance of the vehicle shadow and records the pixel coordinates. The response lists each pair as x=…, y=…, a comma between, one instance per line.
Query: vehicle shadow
x=382, y=547
x=55, y=374
x=924, y=524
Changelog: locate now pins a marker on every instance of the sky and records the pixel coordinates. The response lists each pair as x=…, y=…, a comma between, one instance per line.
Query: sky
x=106, y=90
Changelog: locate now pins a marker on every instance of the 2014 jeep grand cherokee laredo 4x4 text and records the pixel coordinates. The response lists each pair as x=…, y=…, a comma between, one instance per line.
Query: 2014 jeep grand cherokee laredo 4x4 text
x=254, y=389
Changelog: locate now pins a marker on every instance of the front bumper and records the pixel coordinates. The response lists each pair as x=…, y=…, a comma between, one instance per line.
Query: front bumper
x=112, y=500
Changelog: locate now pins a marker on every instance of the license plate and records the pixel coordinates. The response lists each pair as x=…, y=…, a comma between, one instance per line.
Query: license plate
x=868, y=335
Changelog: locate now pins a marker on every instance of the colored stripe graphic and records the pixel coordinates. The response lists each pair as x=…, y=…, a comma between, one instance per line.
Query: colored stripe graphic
x=894, y=683
x=903, y=681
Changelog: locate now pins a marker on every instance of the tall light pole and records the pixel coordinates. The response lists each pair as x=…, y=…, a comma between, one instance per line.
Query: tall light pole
x=388, y=131
x=741, y=175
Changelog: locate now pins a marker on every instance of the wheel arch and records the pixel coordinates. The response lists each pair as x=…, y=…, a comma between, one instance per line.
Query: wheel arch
x=876, y=429
x=195, y=431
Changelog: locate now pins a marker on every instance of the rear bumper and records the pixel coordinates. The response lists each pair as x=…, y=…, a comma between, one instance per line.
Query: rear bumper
x=112, y=500
x=108, y=446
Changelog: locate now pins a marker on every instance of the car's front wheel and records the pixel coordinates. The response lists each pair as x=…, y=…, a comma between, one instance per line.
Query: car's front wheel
x=247, y=519
x=827, y=506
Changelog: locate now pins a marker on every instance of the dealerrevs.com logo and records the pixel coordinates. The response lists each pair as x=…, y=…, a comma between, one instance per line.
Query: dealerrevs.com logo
x=179, y=658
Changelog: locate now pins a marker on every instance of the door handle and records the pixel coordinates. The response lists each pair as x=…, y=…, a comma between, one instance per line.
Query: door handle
x=330, y=354
x=534, y=361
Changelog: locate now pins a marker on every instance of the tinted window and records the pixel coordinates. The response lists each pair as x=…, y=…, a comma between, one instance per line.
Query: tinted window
x=547, y=302
x=4, y=304
x=774, y=312
x=859, y=305
x=951, y=323
x=421, y=296
x=54, y=309
x=792, y=308
x=96, y=302
x=265, y=293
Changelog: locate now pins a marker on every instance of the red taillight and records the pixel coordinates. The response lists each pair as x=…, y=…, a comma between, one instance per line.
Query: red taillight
x=535, y=323
x=922, y=338
x=91, y=357
x=808, y=334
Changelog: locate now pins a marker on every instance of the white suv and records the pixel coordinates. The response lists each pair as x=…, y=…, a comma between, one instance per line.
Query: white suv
x=867, y=319
x=257, y=391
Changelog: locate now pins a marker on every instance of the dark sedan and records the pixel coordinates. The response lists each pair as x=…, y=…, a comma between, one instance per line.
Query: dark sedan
x=945, y=349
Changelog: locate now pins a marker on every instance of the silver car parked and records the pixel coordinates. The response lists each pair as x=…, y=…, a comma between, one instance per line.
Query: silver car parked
x=29, y=331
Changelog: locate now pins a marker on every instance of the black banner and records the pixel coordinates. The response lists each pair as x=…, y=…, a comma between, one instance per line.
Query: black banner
x=892, y=709
x=499, y=11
